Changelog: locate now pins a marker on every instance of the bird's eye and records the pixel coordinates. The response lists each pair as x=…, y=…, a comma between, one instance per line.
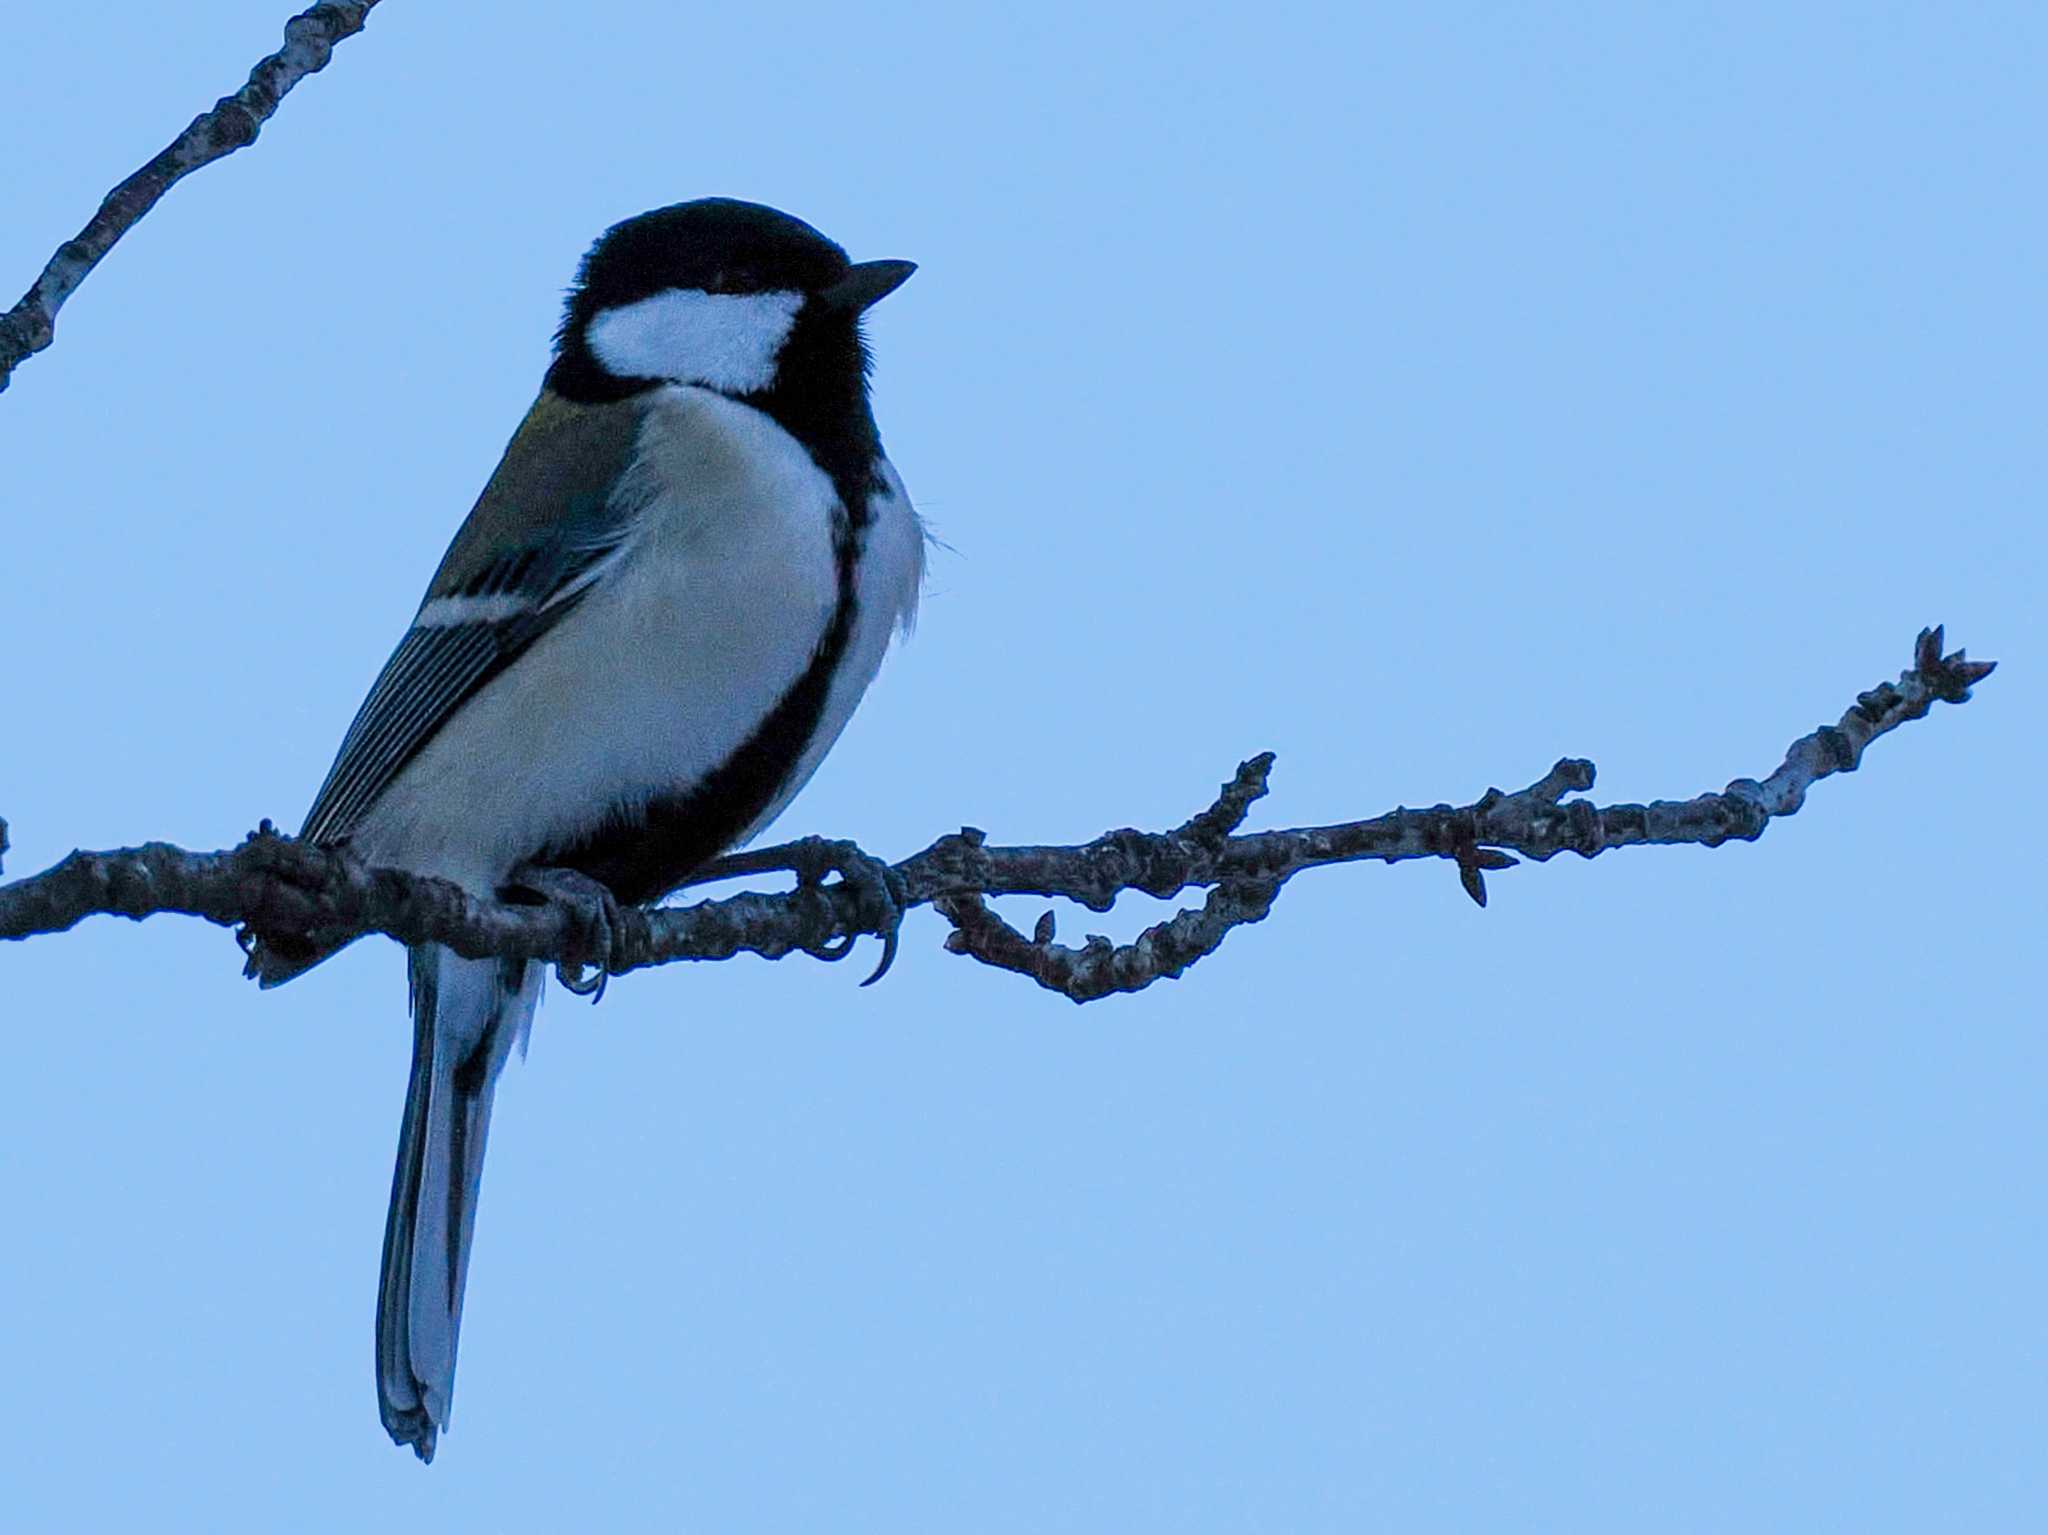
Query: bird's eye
x=733, y=280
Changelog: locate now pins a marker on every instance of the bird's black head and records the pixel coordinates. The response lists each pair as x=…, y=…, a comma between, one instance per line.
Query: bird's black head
x=726, y=295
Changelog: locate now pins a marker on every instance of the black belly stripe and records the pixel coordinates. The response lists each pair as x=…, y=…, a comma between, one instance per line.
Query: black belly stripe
x=641, y=858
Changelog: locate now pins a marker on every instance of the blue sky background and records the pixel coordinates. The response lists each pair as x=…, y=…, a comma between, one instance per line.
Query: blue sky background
x=1423, y=393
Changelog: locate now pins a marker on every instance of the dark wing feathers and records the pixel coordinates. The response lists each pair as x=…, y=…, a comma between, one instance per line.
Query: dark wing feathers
x=553, y=490
x=427, y=677
x=545, y=523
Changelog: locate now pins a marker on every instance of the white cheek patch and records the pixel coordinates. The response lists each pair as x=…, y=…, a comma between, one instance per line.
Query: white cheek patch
x=725, y=341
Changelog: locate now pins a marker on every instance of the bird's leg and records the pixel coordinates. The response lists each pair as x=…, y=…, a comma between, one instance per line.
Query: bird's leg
x=596, y=912
x=783, y=858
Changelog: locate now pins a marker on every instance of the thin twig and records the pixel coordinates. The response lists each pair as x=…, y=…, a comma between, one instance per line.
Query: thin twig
x=275, y=885
x=309, y=40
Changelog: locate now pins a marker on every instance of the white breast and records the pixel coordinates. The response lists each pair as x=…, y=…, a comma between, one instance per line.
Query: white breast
x=714, y=609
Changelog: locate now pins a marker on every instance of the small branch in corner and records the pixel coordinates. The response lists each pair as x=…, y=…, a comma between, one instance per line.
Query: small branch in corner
x=231, y=124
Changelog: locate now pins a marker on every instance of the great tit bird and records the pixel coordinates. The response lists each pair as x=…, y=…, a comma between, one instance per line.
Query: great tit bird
x=654, y=623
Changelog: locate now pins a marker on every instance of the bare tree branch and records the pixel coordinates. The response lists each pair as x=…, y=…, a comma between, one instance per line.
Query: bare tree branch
x=309, y=40
x=275, y=885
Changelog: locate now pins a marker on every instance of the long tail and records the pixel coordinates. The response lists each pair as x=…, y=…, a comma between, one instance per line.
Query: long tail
x=467, y=1014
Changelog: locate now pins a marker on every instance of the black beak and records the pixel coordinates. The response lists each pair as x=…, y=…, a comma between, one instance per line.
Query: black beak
x=866, y=284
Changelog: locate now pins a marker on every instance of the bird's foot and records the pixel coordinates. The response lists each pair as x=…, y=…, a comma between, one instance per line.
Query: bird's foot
x=596, y=913
x=878, y=907
x=875, y=887
x=877, y=896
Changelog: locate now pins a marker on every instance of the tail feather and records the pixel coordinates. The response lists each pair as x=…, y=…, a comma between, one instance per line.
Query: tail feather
x=467, y=1014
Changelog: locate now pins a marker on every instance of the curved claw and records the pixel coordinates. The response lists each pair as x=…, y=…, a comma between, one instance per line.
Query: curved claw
x=581, y=985
x=832, y=950
x=888, y=951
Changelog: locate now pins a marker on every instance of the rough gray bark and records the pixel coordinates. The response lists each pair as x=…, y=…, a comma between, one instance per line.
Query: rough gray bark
x=276, y=885
x=232, y=124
